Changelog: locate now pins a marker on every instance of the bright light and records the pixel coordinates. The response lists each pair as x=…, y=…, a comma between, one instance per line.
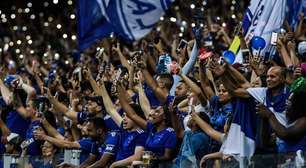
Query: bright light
x=218, y=18
x=66, y=62
x=192, y=6
x=15, y=28
x=180, y=34
x=69, y=2
x=2, y=15
x=232, y=8
x=161, y=18
x=46, y=4
x=58, y=26
x=172, y=19
x=204, y=3
x=50, y=19
x=24, y=28
x=30, y=42
x=19, y=10
x=55, y=1
x=4, y=20
x=32, y=17
x=73, y=37
x=182, y=29
x=18, y=42
x=193, y=25
x=29, y=5
x=13, y=16
x=27, y=10
x=224, y=24
x=65, y=36
x=17, y=51
x=56, y=56
x=11, y=43
x=234, y=16
x=46, y=24
x=184, y=23
x=72, y=16
x=28, y=37
x=32, y=52
x=45, y=54
x=233, y=2
x=202, y=25
x=21, y=56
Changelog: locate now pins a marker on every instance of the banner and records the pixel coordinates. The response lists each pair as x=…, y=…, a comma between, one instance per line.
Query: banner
x=129, y=19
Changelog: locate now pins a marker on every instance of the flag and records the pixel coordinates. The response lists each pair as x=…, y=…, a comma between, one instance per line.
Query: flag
x=91, y=22
x=262, y=18
x=129, y=19
x=240, y=141
x=133, y=19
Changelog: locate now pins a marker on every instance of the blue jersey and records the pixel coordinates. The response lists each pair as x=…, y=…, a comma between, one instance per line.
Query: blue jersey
x=86, y=144
x=34, y=148
x=129, y=141
x=82, y=117
x=17, y=124
x=157, y=142
x=110, y=123
x=109, y=146
x=220, y=113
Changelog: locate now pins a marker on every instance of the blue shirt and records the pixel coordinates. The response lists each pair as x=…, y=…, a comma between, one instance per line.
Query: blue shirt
x=17, y=124
x=86, y=144
x=110, y=123
x=82, y=117
x=109, y=146
x=129, y=141
x=220, y=113
x=157, y=142
x=34, y=148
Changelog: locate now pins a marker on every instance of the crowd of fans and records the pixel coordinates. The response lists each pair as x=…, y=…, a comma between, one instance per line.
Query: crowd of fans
x=170, y=96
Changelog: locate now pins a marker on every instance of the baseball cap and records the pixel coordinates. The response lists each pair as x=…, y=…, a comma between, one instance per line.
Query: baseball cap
x=13, y=138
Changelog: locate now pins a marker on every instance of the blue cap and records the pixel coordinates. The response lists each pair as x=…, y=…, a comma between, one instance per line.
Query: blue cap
x=9, y=79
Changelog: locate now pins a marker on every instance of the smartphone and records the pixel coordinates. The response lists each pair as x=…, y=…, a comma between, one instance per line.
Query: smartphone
x=245, y=56
x=183, y=43
x=274, y=38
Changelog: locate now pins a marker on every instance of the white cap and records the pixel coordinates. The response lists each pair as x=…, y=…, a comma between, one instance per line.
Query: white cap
x=302, y=47
x=12, y=136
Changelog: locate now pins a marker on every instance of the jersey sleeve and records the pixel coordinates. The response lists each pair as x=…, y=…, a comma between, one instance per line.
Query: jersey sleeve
x=111, y=143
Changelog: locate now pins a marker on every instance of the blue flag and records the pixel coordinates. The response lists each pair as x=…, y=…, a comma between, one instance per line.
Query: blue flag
x=92, y=23
x=133, y=19
x=129, y=19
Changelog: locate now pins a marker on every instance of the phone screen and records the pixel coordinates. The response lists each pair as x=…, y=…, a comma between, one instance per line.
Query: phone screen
x=245, y=56
x=274, y=38
x=183, y=43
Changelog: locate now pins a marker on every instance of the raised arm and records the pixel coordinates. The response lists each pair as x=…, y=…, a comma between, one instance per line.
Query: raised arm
x=51, y=130
x=217, y=136
x=208, y=91
x=129, y=110
x=176, y=123
x=6, y=93
x=160, y=93
x=144, y=101
x=195, y=88
x=123, y=60
x=60, y=107
x=109, y=106
x=187, y=67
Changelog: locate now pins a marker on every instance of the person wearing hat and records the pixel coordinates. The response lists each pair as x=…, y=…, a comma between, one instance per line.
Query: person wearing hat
x=13, y=144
